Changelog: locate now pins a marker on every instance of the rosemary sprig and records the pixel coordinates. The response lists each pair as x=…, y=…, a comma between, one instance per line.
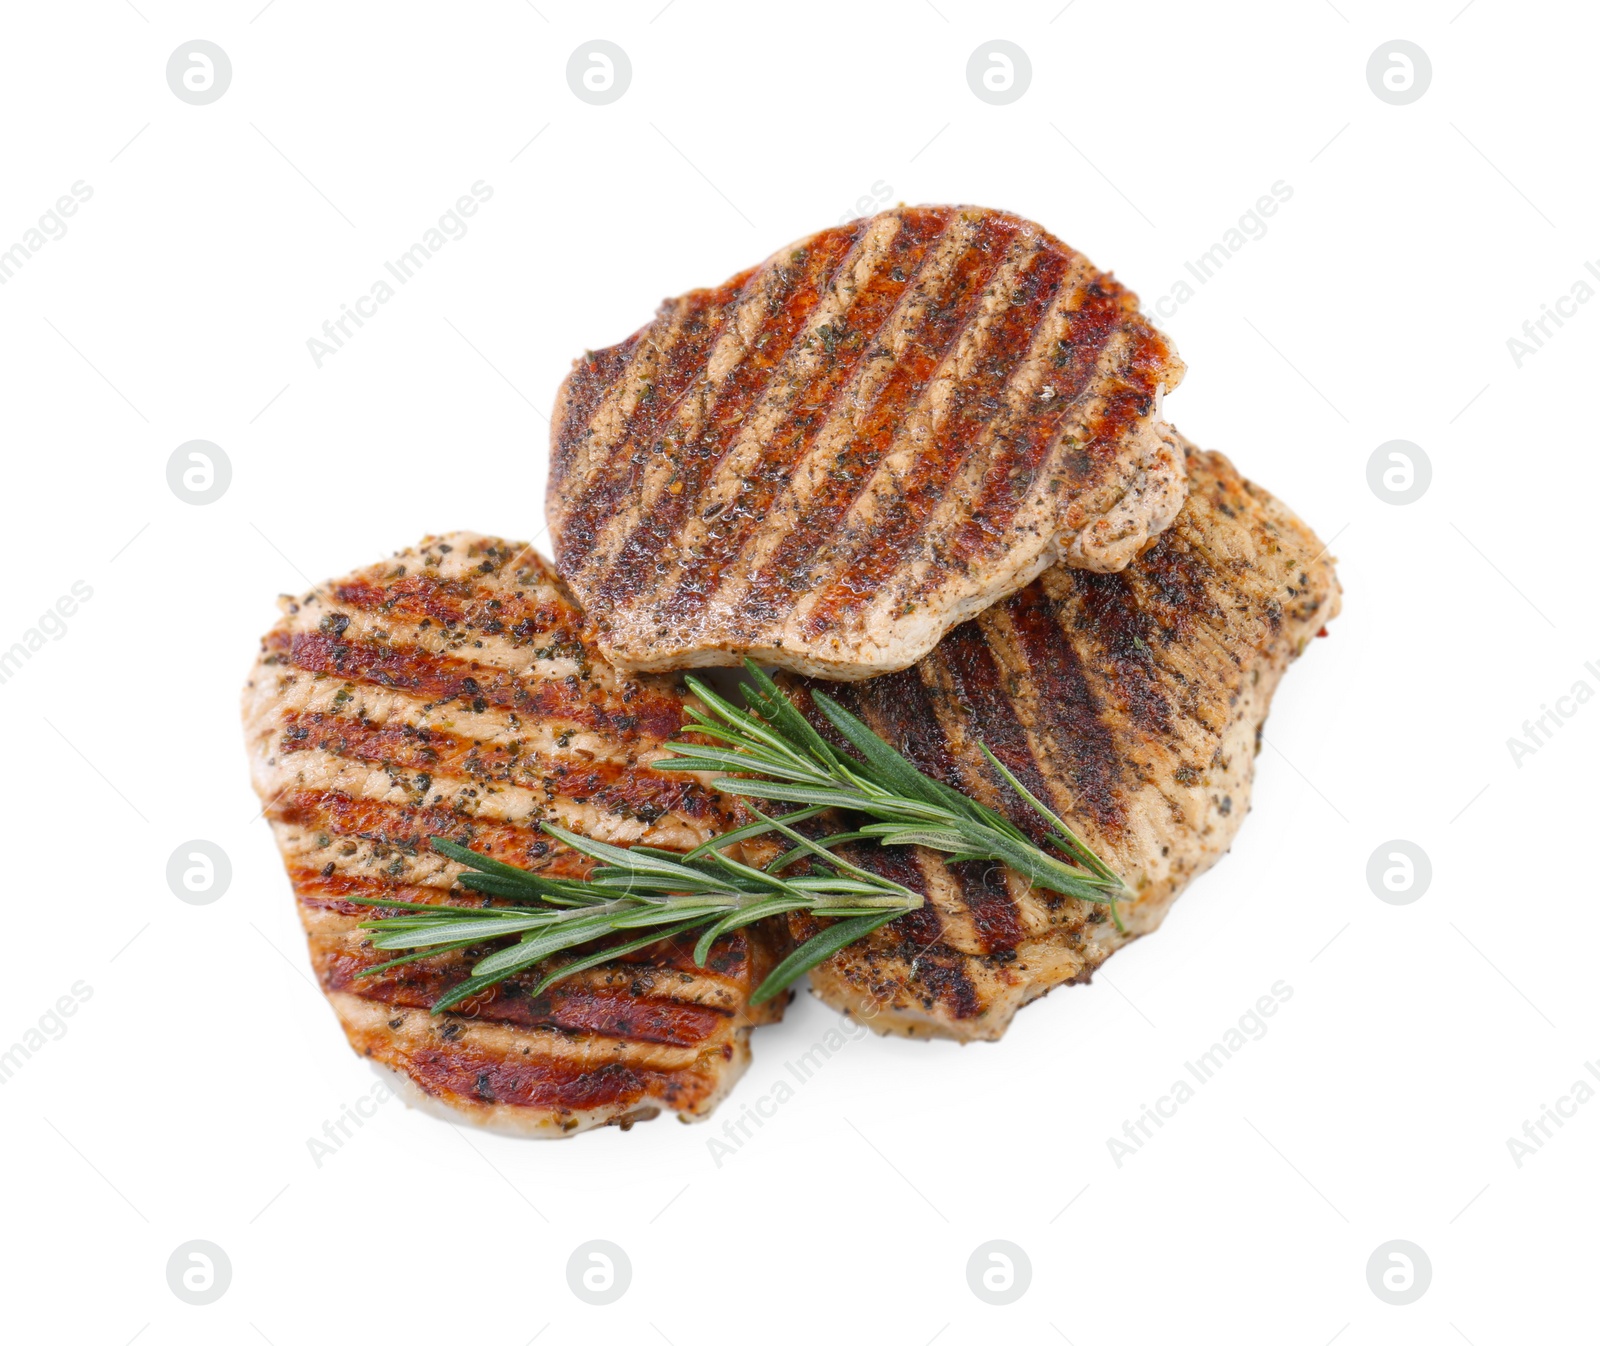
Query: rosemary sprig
x=778, y=755
x=637, y=888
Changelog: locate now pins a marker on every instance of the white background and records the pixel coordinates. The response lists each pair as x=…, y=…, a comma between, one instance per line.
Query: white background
x=180, y=1101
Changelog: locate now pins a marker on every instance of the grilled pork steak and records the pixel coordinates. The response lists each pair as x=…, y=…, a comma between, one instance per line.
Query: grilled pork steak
x=455, y=690
x=1132, y=704
x=831, y=459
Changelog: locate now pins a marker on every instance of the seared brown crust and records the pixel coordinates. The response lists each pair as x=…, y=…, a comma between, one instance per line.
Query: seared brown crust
x=834, y=457
x=1132, y=704
x=455, y=691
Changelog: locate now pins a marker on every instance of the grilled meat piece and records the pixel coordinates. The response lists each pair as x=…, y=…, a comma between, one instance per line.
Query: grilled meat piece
x=836, y=456
x=1130, y=703
x=455, y=691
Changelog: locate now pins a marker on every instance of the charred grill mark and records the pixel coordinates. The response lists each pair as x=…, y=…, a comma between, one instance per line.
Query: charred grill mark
x=899, y=864
x=458, y=1070
x=1135, y=390
x=988, y=902
x=855, y=336
x=1127, y=395
x=943, y=322
x=591, y=379
x=847, y=694
x=456, y=603
x=405, y=830
x=696, y=460
x=976, y=403
x=1084, y=748
x=1013, y=473
x=627, y=789
x=979, y=686
x=1110, y=621
x=615, y=483
x=1176, y=587
x=940, y=977
x=617, y=1013
x=445, y=678
x=900, y=710
x=331, y=889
